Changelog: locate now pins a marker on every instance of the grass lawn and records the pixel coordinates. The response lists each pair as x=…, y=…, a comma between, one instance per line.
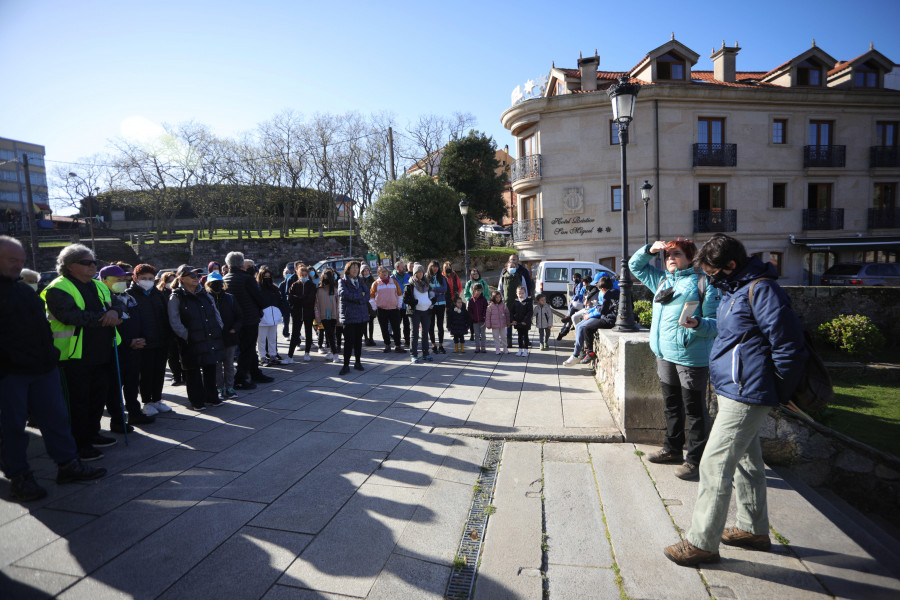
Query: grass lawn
x=865, y=410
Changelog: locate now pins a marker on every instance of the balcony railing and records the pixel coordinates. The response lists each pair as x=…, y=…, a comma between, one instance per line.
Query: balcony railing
x=530, y=230
x=824, y=156
x=884, y=218
x=884, y=156
x=828, y=219
x=526, y=167
x=723, y=221
x=715, y=155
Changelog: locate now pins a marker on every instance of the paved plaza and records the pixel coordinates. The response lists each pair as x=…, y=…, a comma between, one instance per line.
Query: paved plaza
x=325, y=487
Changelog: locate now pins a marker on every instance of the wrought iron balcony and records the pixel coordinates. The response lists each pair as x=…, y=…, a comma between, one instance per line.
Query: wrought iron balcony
x=530, y=230
x=884, y=218
x=715, y=155
x=823, y=218
x=707, y=221
x=884, y=156
x=526, y=167
x=824, y=156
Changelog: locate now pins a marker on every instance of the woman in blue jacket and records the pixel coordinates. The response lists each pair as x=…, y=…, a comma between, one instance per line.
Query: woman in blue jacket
x=681, y=348
x=354, y=297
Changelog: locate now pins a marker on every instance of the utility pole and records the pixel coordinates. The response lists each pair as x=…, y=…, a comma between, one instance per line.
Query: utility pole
x=31, y=223
x=391, y=140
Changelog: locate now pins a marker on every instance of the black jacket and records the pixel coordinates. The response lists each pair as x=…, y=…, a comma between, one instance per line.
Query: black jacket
x=521, y=313
x=26, y=342
x=458, y=322
x=154, y=319
x=230, y=311
x=302, y=299
x=204, y=345
x=246, y=291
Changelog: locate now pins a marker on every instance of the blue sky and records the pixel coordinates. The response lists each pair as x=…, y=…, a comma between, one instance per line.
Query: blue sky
x=74, y=73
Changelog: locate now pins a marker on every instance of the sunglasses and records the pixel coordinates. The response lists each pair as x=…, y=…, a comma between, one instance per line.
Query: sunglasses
x=192, y=275
x=86, y=262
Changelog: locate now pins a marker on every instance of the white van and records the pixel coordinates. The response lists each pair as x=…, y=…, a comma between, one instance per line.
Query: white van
x=553, y=278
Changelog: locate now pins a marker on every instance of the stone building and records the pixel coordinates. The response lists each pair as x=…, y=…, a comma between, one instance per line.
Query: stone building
x=801, y=163
x=13, y=193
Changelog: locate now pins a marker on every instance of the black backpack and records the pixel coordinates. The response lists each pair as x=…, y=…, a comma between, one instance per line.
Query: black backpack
x=814, y=390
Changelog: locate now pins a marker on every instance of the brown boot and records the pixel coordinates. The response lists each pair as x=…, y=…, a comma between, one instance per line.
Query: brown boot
x=664, y=456
x=688, y=472
x=735, y=536
x=688, y=555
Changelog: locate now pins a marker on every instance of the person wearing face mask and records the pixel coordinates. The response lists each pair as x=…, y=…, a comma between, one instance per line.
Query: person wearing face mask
x=30, y=278
x=124, y=383
x=211, y=268
x=365, y=273
x=510, y=281
x=230, y=312
x=681, y=348
x=401, y=276
x=289, y=276
x=756, y=362
x=168, y=282
x=302, y=300
x=154, y=318
x=272, y=316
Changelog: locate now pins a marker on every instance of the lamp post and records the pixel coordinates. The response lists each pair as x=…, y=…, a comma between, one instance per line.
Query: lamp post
x=90, y=199
x=464, y=210
x=623, y=96
x=645, y=196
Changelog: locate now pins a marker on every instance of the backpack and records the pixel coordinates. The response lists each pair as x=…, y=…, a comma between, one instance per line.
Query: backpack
x=814, y=390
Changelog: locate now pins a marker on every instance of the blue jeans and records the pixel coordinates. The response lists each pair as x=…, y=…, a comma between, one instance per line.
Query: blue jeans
x=43, y=393
x=583, y=331
x=732, y=453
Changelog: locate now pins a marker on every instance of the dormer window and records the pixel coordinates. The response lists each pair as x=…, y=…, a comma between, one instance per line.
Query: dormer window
x=809, y=73
x=865, y=76
x=670, y=66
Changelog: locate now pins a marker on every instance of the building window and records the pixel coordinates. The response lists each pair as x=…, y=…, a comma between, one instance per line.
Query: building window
x=617, y=198
x=710, y=131
x=608, y=261
x=7, y=154
x=528, y=146
x=779, y=131
x=776, y=258
x=819, y=196
x=670, y=66
x=886, y=131
x=528, y=203
x=885, y=195
x=820, y=133
x=712, y=196
x=779, y=195
x=613, y=133
x=865, y=76
x=6, y=175
x=560, y=88
x=809, y=73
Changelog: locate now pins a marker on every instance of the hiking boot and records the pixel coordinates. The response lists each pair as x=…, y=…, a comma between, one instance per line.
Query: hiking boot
x=76, y=470
x=665, y=457
x=688, y=472
x=25, y=489
x=735, y=536
x=687, y=555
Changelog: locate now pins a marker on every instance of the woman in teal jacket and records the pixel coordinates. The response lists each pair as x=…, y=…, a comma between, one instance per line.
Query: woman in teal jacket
x=681, y=348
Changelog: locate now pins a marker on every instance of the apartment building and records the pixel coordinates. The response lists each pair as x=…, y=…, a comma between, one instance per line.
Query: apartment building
x=801, y=162
x=13, y=193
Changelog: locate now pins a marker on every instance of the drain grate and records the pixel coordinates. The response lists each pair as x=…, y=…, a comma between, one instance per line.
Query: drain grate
x=462, y=577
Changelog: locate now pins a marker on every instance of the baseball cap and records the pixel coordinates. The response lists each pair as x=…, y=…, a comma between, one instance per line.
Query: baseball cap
x=112, y=271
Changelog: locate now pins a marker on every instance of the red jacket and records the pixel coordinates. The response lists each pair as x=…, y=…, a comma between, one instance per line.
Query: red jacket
x=455, y=287
x=477, y=309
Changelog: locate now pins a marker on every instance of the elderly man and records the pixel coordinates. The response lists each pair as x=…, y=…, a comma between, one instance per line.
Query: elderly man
x=84, y=323
x=246, y=292
x=29, y=378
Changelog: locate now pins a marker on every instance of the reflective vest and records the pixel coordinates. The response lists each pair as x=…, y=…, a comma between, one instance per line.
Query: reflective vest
x=67, y=338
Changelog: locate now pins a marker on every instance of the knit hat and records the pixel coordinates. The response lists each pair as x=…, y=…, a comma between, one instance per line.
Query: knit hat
x=418, y=267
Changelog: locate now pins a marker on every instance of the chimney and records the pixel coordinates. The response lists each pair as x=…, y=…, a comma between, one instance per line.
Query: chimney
x=724, y=62
x=588, y=68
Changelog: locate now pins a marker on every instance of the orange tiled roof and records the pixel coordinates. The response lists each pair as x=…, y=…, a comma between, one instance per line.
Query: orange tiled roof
x=778, y=68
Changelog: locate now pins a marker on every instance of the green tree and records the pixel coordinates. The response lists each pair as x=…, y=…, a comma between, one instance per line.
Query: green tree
x=469, y=165
x=417, y=217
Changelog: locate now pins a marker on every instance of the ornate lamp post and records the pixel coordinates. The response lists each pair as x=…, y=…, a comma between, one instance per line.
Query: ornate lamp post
x=464, y=210
x=645, y=196
x=623, y=96
x=90, y=199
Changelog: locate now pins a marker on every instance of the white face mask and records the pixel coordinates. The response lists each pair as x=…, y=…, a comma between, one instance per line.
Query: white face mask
x=304, y=279
x=144, y=284
x=32, y=286
x=119, y=287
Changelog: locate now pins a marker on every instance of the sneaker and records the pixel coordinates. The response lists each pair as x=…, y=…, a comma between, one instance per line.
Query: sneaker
x=261, y=378
x=688, y=472
x=499, y=352
x=329, y=356
x=149, y=409
x=177, y=382
x=230, y=394
x=665, y=457
x=117, y=427
x=400, y=350
x=588, y=358
x=519, y=352
x=288, y=361
x=25, y=489
x=306, y=357
x=560, y=336
x=88, y=453
x=102, y=441
x=322, y=350
x=198, y=407
x=359, y=367
x=735, y=536
x=216, y=402
x=75, y=470
x=344, y=370
x=429, y=358
x=371, y=343
x=415, y=360
x=387, y=350
x=441, y=350
x=140, y=418
x=161, y=407
x=525, y=352
x=244, y=385
x=688, y=555
x=570, y=361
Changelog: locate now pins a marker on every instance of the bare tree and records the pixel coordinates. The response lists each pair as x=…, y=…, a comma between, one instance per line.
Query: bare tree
x=428, y=135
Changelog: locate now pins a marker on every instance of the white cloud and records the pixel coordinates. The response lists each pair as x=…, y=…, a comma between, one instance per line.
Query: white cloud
x=141, y=129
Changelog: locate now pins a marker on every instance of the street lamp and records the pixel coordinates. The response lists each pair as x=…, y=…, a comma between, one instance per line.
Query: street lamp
x=623, y=96
x=645, y=196
x=464, y=210
x=90, y=199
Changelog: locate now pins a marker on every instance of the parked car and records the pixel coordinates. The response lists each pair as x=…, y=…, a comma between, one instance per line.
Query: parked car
x=882, y=273
x=494, y=229
x=336, y=263
x=553, y=278
x=46, y=278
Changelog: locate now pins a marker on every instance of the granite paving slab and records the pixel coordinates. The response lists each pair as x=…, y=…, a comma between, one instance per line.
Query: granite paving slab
x=255, y=448
x=20, y=537
x=406, y=578
x=576, y=534
x=579, y=583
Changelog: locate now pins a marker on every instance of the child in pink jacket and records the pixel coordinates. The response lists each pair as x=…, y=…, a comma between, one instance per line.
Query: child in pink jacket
x=497, y=321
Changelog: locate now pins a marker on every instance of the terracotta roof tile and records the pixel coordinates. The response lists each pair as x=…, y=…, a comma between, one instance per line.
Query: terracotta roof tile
x=778, y=68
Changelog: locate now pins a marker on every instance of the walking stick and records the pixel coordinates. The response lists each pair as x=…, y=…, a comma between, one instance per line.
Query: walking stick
x=119, y=387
